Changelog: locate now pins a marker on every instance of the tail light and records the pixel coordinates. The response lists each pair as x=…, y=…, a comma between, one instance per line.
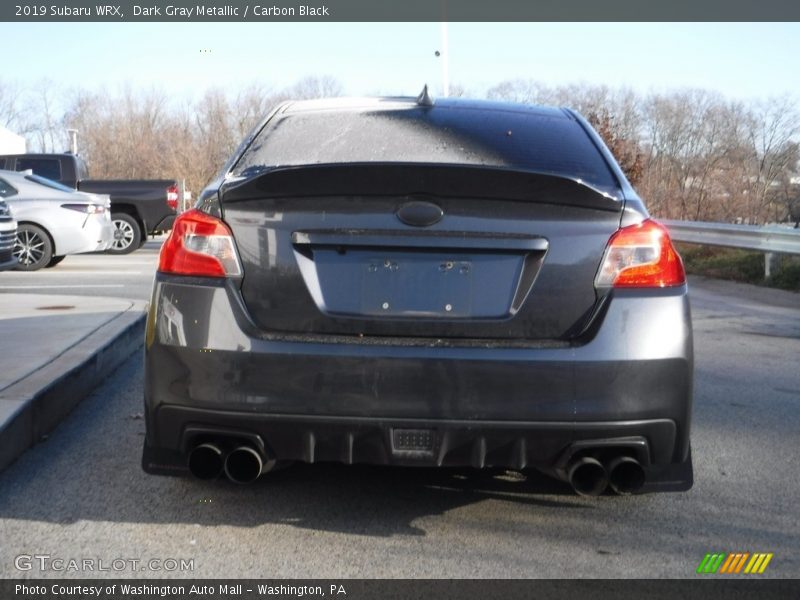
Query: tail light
x=89, y=209
x=201, y=245
x=640, y=256
x=172, y=197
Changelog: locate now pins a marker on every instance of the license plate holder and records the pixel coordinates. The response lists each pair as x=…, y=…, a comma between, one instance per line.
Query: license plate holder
x=407, y=284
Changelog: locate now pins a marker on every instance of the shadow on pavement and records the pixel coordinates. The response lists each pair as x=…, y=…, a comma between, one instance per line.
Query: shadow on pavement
x=89, y=470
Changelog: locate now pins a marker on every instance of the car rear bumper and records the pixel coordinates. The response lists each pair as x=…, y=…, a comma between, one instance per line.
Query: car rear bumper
x=546, y=446
x=476, y=403
x=164, y=224
x=100, y=232
x=82, y=233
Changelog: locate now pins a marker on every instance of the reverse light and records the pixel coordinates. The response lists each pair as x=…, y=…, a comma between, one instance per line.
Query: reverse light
x=89, y=209
x=640, y=256
x=172, y=197
x=201, y=245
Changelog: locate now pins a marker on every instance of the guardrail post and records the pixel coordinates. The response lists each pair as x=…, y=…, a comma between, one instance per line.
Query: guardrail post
x=770, y=261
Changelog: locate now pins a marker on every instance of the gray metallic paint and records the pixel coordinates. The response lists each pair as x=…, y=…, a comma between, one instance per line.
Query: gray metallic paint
x=622, y=373
x=204, y=352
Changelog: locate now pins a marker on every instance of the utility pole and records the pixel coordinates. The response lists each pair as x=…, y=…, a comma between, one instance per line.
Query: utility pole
x=73, y=140
x=445, y=56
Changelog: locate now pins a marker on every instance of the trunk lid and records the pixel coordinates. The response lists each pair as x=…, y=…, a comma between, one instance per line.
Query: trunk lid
x=409, y=250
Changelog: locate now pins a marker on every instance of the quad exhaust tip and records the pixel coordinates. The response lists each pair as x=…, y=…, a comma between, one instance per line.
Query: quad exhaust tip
x=243, y=465
x=587, y=476
x=206, y=461
x=626, y=475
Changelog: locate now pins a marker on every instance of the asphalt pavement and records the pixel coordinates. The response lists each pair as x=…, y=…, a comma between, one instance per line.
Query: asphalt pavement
x=81, y=494
x=128, y=276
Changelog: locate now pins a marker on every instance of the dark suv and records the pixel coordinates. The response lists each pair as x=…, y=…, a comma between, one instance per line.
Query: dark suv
x=407, y=282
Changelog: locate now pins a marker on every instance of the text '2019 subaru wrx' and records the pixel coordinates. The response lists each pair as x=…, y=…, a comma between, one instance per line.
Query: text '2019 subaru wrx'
x=421, y=282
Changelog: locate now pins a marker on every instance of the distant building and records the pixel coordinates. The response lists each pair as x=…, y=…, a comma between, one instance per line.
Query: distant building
x=10, y=142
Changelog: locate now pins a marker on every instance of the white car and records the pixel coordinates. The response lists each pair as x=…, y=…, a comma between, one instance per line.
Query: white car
x=54, y=220
x=8, y=235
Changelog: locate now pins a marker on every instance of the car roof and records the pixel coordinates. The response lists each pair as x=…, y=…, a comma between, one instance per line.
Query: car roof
x=401, y=102
x=17, y=175
x=19, y=179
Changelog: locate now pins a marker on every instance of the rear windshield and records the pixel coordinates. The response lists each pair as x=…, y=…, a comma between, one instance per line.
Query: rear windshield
x=46, y=167
x=529, y=141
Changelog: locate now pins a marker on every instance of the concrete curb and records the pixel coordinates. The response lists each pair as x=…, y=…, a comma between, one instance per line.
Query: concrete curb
x=34, y=406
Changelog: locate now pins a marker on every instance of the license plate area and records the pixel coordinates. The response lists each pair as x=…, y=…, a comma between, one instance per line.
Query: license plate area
x=392, y=283
x=417, y=285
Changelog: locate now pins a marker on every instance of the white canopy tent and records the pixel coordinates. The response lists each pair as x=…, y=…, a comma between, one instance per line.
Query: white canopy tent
x=10, y=142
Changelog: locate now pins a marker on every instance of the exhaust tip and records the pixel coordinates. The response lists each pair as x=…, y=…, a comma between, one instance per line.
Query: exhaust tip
x=587, y=476
x=206, y=461
x=626, y=475
x=243, y=465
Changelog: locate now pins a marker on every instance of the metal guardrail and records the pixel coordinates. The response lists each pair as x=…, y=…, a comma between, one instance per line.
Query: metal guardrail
x=784, y=240
x=770, y=240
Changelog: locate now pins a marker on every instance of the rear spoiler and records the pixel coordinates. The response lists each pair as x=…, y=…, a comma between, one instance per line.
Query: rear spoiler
x=400, y=179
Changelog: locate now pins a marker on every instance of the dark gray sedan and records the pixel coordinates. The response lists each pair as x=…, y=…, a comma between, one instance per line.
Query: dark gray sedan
x=413, y=282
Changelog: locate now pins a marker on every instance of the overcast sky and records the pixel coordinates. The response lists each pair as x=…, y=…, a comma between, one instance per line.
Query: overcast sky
x=741, y=60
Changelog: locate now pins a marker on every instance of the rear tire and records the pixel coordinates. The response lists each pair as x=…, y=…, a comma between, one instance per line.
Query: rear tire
x=32, y=248
x=127, y=234
x=54, y=261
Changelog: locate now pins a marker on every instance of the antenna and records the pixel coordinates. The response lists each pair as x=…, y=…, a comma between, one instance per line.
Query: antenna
x=424, y=98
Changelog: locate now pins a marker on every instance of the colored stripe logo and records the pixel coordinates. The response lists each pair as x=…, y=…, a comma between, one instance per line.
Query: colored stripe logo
x=734, y=563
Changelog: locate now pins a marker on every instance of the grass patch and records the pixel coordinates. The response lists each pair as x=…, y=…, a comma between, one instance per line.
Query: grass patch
x=788, y=277
x=740, y=265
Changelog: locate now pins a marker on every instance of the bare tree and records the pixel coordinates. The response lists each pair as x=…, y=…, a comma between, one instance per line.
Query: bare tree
x=774, y=127
x=9, y=105
x=686, y=139
x=457, y=90
x=626, y=150
x=49, y=131
x=692, y=154
x=250, y=106
x=525, y=91
x=323, y=86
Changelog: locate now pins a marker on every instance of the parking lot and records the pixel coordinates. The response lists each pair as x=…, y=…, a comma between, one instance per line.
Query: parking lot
x=81, y=493
x=128, y=276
